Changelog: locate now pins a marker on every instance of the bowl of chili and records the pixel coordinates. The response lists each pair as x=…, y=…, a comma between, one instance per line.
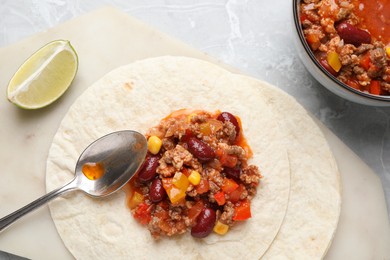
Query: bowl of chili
x=345, y=45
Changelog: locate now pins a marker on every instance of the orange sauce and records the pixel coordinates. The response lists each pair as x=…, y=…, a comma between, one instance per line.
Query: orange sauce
x=241, y=141
x=375, y=17
x=93, y=171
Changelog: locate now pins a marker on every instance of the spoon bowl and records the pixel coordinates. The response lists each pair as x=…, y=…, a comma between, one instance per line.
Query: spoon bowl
x=119, y=156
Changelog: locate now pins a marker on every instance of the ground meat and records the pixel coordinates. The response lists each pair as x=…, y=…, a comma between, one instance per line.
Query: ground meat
x=233, y=150
x=165, y=170
x=175, y=128
x=177, y=157
x=363, y=48
x=385, y=86
x=386, y=74
x=311, y=1
x=214, y=188
x=173, y=224
x=344, y=11
x=227, y=214
x=334, y=44
x=251, y=192
x=378, y=58
x=174, y=159
x=213, y=175
x=191, y=191
x=176, y=213
x=328, y=25
x=317, y=32
x=199, y=118
x=227, y=133
x=168, y=143
x=358, y=70
x=346, y=52
x=307, y=24
x=363, y=78
x=312, y=17
x=251, y=175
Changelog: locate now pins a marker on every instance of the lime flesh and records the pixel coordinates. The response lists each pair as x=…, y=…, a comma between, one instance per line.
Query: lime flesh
x=44, y=77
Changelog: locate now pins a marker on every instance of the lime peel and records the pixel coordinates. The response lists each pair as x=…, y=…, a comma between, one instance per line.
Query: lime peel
x=44, y=77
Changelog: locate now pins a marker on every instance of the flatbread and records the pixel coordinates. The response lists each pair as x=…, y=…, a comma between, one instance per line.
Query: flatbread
x=136, y=97
x=315, y=201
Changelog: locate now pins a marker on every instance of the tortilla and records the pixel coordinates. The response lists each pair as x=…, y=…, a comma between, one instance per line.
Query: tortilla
x=136, y=97
x=315, y=202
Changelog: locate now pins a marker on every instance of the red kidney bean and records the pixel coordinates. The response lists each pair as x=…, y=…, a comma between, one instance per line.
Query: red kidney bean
x=205, y=223
x=352, y=35
x=233, y=173
x=156, y=191
x=148, y=169
x=200, y=149
x=227, y=117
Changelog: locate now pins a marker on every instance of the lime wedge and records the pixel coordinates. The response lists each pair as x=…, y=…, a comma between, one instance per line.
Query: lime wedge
x=44, y=77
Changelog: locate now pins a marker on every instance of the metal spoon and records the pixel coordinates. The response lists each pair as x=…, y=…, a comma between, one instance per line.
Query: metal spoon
x=120, y=153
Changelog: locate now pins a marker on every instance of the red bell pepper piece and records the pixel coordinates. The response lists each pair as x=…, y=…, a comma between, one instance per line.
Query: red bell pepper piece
x=242, y=211
x=229, y=185
x=365, y=61
x=220, y=198
x=375, y=87
x=142, y=213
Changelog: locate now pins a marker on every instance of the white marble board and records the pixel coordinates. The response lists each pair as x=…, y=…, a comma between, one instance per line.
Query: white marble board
x=106, y=39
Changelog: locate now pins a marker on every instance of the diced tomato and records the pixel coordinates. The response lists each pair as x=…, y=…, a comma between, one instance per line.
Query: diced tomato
x=226, y=159
x=203, y=186
x=195, y=210
x=242, y=211
x=236, y=194
x=353, y=84
x=185, y=171
x=220, y=198
x=229, y=185
x=303, y=17
x=162, y=214
x=187, y=136
x=365, y=61
x=142, y=213
x=313, y=40
x=229, y=160
x=219, y=152
x=375, y=87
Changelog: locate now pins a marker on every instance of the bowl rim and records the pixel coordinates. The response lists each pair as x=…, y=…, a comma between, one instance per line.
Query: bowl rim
x=310, y=53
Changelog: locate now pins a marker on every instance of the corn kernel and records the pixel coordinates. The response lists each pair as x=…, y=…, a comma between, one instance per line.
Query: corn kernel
x=154, y=144
x=220, y=228
x=194, y=177
x=388, y=51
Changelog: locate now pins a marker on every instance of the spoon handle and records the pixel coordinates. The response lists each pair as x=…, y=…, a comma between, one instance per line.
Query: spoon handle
x=11, y=218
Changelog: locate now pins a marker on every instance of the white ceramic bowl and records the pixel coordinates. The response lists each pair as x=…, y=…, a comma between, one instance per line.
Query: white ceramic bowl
x=323, y=76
